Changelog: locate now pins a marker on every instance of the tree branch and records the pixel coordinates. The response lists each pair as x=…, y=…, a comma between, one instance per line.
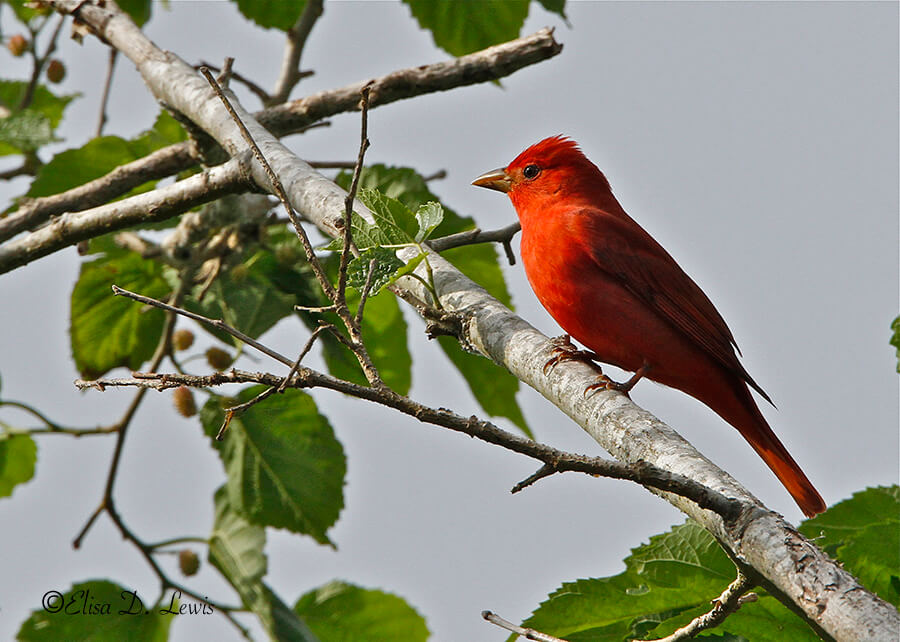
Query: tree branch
x=158, y=205
x=290, y=74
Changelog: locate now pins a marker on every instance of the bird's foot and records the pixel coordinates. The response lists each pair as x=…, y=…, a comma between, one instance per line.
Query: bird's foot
x=565, y=350
x=624, y=388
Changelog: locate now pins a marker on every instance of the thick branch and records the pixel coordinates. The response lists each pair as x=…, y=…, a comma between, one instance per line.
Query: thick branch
x=148, y=207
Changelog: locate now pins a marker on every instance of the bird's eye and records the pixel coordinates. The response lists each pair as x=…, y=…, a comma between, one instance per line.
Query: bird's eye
x=531, y=172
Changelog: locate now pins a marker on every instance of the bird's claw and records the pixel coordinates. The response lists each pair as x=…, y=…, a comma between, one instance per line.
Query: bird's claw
x=565, y=350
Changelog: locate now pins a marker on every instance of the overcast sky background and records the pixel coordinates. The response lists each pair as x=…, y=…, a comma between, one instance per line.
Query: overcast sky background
x=758, y=142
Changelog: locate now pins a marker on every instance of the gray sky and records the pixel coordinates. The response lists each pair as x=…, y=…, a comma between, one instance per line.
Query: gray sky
x=756, y=141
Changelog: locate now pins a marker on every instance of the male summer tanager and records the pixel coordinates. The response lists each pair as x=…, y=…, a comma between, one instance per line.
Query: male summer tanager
x=619, y=293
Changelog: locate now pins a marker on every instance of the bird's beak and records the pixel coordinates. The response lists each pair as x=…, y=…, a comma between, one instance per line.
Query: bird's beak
x=496, y=179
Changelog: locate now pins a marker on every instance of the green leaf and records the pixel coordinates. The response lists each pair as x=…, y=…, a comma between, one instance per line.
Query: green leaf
x=26, y=14
x=464, y=26
x=139, y=10
x=341, y=612
x=107, y=331
x=278, y=14
x=429, y=216
x=395, y=222
x=386, y=270
x=33, y=127
x=97, y=610
x=386, y=264
x=25, y=131
x=667, y=582
x=555, y=6
x=245, y=299
x=18, y=454
x=236, y=550
x=285, y=467
x=43, y=100
x=895, y=339
x=863, y=533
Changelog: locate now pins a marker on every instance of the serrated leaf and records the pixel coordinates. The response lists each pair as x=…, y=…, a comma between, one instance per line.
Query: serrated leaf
x=18, y=455
x=236, y=550
x=277, y=14
x=429, y=216
x=863, y=533
x=107, y=331
x=43, y=100
x=29, y=129
x=341, y=612
x=25, y=131
x=386, y=270
x=464, y=26
x=396, y=223
x=667, y=582
x=285, y=467
x=97, y=610
x=383, y=270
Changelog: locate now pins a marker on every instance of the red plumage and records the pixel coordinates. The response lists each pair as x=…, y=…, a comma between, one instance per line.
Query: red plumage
x=617, y=291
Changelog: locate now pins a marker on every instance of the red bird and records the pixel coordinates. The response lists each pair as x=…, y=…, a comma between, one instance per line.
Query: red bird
x=619, y=293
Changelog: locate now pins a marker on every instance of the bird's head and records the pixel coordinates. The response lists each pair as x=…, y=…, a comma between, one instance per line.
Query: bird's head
x=544, y=172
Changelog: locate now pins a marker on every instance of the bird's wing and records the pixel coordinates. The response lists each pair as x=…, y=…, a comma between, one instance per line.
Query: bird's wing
x=623, y=249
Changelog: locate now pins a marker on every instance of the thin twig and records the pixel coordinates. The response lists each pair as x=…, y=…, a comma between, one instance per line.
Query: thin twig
x=297, y=36
x=364, y=295
x=249, y=84
x=107, y=84
x=528, y=634
x=504, y=235
x=39, y=62
x=234, y=410
x=303, y=353
x=351, y=196
x=560, y=461
x=216, y=323
x=731, y=599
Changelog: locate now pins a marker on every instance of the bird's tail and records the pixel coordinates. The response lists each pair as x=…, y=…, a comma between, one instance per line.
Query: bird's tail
x=754, y=428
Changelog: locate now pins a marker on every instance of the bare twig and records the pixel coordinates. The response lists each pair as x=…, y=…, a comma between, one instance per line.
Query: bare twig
x=297, y=36
x=731, y=600
x=216, y=323
x=249, y=84
x=231, y=412
x=107, y=84
x=559, y=461
x=347, y=237
x=39, y=63
x=528, y=634
x=303, y=353
x=364, y=295
x=504, y=235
